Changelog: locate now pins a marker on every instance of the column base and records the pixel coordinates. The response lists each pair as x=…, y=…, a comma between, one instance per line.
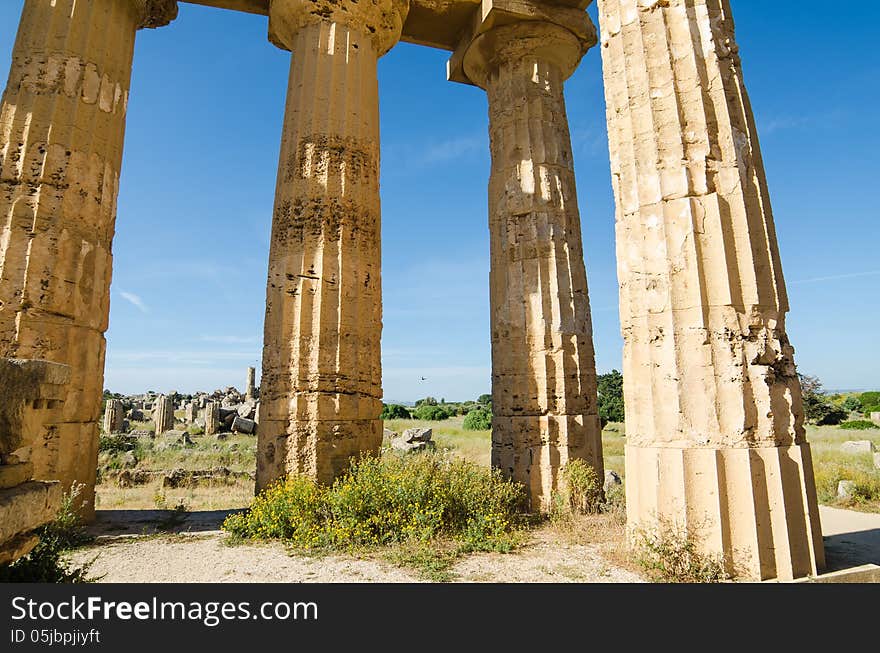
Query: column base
x=533, y=449
x=322, y=450
x=754, y=508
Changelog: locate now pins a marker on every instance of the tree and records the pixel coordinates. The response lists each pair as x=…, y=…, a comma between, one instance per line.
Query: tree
x=610, y=387
x=395, y=411
x=478, y=420
x=817, y=408
x=427, y=401
x=484, y=399
x=852, y=404
x=430, y=412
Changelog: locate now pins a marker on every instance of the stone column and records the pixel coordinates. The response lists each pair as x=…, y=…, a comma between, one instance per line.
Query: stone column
x=714, y=421
x=250, y=389
x=543, y=364
x=62, y=121
x=212, y=417
x=163, y=415
x=114, y=414
x=321, y=380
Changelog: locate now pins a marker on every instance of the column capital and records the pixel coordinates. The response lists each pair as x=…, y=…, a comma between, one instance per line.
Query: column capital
x=155, y=13
x=508, y=30
x=381, y=20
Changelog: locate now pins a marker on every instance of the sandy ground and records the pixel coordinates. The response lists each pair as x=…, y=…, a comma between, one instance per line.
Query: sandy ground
x=158, y=546
x=130, y=550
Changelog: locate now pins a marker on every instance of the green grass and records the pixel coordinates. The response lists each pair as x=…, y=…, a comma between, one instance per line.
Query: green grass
x=449, y=434
x=831, y=465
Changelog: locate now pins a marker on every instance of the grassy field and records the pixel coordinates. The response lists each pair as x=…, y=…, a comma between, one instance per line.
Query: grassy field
x=238, y=454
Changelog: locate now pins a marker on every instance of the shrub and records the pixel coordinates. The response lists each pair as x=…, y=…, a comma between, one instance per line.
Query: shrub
x=478, y=420
x=858, y=425
x=427, y=401
x=669, y=555
x=116, y=443
x=582, y=492
x=389, y=500
x=47, y=562
x=484, y=399
x=394, y=411
x=852, y=404
x=431, y=413
x=870, y=402
x=610, y=388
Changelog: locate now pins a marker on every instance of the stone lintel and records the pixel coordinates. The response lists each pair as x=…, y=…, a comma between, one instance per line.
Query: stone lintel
x=260, y=7
x=435, y=23
x=497, y=13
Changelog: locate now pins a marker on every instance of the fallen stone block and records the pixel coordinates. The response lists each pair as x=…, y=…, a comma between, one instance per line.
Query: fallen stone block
x=857, y=446
x=243, y=425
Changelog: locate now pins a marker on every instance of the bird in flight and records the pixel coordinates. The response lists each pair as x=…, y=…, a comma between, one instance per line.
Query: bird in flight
x=424, y=379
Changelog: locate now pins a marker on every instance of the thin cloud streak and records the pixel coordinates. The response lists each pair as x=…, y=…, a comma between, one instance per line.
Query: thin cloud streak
x=835, y=277
x=134, y=299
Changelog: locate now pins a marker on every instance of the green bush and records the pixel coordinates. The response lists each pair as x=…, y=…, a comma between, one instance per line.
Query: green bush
x=431, y=412
x=478, y=420
x=852, y=404
x=395, y=411
x=47, y=562
x=484, y=399
x=427, y=401
x=870, y=402
x=858, y=425
x=822, y=412
x=116, y=443
x=610, y=388
x=583, y=489
x=389, y=500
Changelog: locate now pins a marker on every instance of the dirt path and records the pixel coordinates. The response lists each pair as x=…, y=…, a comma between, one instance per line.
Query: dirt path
x=129, y=549
x=162, y=546
x=851, y=538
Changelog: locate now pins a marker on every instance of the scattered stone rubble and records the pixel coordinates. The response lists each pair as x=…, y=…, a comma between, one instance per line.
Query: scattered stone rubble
x=411, y=440
x=217, y=414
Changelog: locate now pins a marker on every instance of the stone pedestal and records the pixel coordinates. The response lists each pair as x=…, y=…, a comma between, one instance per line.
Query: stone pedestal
x=62, y=120
x=114, y=415
x=543, y=367
x=321, y=375
x=714, y=420
x=33, y=396
x=163, y=414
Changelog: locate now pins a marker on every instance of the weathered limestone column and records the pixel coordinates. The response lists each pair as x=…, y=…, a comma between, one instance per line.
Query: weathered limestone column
x=321, y=380
x=114, y=414
x=543, y=363
x=212, y=417
x=62, y=121
x=163, y=414
x=250, y=389
x=714, y=421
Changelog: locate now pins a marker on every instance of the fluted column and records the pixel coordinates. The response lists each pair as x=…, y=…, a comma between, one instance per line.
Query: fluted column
x=714, y=421
x=62, y=122
x=543, y=367
x=321, y=385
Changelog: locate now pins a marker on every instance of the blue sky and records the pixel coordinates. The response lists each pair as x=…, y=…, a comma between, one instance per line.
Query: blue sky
x=198, y=181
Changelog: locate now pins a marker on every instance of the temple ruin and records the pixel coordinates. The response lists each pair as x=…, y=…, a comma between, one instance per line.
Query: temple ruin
x=715, y=437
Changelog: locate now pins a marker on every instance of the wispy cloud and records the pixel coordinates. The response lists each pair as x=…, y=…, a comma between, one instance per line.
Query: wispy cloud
x=134, y=299
x=452, y=149
x=834, y=277
x=230, y=340
x=781, y=123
